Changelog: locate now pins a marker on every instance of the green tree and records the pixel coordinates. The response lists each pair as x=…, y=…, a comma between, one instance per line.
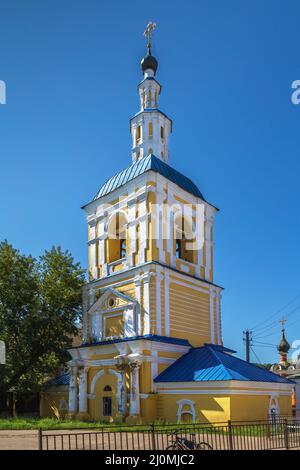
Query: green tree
x=40, y=311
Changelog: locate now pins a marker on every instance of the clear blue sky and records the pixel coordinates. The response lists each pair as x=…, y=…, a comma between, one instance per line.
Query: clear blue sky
x=71, y=69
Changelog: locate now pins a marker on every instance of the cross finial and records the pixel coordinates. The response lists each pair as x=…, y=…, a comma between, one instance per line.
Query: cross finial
x=148, y=32
x=283, y=321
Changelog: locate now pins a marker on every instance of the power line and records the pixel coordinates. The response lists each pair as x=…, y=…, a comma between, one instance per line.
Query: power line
x=266, y=344
x=263, y=346
x=266, y=336
x=276, y=313
x=256, y=355
x=273, y=325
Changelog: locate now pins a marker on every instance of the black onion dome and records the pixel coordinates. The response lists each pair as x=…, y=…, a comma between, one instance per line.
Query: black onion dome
x=149, y=62
x=283, y=346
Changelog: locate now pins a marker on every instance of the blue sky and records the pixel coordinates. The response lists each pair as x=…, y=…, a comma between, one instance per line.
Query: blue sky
x=71, y=70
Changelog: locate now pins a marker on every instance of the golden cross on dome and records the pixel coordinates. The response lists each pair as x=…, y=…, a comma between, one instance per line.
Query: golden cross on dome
x=148, y=32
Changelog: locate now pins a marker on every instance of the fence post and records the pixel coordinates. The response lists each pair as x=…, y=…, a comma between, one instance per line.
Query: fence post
x=230, y=441
x=286, y=434
x=40, y=439
x=153, y=437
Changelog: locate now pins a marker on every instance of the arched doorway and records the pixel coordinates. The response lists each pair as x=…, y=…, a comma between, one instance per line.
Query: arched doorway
x=103, y=404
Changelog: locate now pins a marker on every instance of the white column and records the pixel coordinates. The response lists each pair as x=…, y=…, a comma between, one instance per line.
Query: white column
x=134, y=388
x=82, y=390
x=121, y=391
x=73, y=390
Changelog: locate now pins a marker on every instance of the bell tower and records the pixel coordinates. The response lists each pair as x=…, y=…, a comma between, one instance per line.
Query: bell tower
x=150, y=127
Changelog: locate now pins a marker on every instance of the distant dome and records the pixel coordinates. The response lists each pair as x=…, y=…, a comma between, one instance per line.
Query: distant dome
x=283, y=346
x=149, y=62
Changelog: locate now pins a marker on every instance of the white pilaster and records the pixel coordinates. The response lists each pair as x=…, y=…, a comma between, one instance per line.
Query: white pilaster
x=212, y=318
x=219, y=322
x=73, y=390
x=146, y=305
x=167, y=304
x=159, y=278
x=138, y=294
x=132, y=206
x=143, y=233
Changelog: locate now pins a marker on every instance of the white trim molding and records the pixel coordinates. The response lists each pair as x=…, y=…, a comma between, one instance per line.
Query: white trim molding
x=191, y=411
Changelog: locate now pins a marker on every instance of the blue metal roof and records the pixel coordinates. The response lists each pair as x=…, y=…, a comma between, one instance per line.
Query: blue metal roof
x=211, y=363
x=142, y=166
x=158, y=338
x=63, y=379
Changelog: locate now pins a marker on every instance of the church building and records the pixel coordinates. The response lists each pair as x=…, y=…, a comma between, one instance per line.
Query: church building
x=152, y=344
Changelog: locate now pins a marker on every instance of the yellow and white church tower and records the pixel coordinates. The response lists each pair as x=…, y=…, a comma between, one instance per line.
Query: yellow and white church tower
x=152, y=336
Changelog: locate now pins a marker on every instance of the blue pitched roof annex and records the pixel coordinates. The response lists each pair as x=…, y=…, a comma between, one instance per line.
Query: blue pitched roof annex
x=211, y=363
x=142, y=166
x=63, y=379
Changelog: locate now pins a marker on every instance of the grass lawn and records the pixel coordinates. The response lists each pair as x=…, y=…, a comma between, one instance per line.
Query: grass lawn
x=20, y=423
x=47, y=423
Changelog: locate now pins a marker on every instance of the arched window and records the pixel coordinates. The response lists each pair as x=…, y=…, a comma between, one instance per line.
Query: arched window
x=162, y=133
x=138, y=135
x=150, y=130
x=107, y=388
x=183, y=239
x=117, y=242
x=150, y=151
x=186, y=410
x=149, y=98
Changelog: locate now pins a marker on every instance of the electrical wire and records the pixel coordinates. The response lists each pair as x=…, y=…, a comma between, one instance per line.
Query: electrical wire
x=273, y=324
x=256, y=355
x=276, y=313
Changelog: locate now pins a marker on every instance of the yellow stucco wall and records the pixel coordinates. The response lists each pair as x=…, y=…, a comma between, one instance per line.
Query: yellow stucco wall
x=53, y=404
x=208, y=408
x=189, y=313
x=256, y=407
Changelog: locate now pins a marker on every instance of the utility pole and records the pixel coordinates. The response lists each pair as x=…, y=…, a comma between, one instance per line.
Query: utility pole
x=248, y=339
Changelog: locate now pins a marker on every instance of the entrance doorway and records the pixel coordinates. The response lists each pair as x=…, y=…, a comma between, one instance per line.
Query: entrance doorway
x=107, y=406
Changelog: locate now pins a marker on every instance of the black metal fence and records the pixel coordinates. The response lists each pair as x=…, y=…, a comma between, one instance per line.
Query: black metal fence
x=277, y=434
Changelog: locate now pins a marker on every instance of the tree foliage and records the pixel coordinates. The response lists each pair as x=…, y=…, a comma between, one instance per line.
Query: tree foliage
x=40, y=311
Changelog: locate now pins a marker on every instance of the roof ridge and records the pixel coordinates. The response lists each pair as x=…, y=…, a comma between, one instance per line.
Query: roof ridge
x=214, y=353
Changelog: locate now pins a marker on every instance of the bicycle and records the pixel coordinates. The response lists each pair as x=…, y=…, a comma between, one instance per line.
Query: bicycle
x=182, y=443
